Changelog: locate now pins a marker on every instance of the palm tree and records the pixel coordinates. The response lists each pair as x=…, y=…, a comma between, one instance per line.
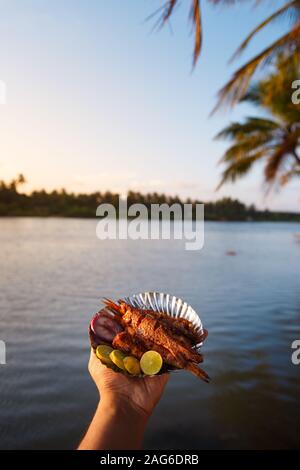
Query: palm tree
x=15, y=183
x=288, y=43
x=168, y=9
x=273, y=138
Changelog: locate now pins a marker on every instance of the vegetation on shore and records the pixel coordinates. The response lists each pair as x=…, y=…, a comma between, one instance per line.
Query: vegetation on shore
x=64, y=204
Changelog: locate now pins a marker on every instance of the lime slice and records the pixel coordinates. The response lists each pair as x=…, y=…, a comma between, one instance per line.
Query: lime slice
x=117, y=357
x=132, y=365
x=103, y=352
x=151, y=362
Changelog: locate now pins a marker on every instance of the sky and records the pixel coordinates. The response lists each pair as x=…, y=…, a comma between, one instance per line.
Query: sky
x=96, y=99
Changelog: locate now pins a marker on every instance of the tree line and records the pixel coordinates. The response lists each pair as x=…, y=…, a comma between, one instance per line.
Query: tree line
x=61, y=203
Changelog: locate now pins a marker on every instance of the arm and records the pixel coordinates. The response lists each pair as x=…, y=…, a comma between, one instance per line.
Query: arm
x=124, y=409
x=115, y=425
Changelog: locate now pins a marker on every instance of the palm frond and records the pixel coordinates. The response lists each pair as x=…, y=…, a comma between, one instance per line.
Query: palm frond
x=168, y=10
x=238, y=152
x=274, y=163
x=275, y=142
x=236, y=88
x=276, y=15
x=273, y=93
x=294, y=171
x=239, y=168
x=195, y=16
x=260, y=124
x=250, y=126
x=253, y=95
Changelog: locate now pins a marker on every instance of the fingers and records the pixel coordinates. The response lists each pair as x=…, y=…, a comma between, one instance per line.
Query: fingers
x=92, y=354
x=93, y=359
x=94, y=364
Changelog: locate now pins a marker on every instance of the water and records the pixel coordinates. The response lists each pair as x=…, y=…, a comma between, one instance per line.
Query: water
x=53, y=274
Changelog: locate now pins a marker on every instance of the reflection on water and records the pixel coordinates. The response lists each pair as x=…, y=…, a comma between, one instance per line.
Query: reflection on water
x=53, y=274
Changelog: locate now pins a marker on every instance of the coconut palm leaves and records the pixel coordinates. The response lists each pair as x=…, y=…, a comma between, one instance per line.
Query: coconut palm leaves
x=237, y=86
x=261, y=139
x=289, y=44
x=274, y=140
x=195, y=16
x=275, y=137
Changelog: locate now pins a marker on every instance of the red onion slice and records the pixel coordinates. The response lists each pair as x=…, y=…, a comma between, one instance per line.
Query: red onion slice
x=105, y=327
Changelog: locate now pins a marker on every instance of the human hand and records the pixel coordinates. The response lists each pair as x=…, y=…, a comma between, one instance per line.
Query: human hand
x=140, y=393
x=123, y=411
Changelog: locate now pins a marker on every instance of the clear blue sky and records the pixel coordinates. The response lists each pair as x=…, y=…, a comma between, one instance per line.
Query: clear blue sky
x=97, y=100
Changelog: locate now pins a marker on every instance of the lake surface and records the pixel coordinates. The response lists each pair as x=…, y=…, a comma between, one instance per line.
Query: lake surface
x=53, y=275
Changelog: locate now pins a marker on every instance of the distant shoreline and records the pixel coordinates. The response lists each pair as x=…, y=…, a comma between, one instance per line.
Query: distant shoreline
x=63, y=204
x=295, y=219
